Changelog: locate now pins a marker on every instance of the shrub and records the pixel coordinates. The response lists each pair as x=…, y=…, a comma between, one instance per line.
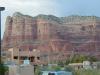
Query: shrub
x=3, y=69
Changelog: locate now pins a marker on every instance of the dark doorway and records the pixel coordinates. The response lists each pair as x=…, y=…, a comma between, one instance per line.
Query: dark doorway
x=32, y=59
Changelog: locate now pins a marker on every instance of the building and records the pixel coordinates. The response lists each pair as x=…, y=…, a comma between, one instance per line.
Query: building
x=14, y=54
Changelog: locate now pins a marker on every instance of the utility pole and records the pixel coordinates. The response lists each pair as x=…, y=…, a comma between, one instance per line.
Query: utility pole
x=1, y=9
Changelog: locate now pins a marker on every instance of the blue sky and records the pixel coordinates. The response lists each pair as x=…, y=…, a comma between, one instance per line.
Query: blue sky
x=54, y=7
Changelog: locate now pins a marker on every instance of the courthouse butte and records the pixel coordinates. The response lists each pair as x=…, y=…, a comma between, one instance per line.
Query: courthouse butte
x=48, y=33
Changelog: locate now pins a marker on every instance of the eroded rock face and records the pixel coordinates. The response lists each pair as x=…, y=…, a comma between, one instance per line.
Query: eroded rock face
x=47, y=32
x=8, y=32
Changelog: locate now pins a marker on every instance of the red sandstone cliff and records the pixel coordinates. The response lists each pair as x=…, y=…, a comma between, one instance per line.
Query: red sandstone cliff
x=47, y=32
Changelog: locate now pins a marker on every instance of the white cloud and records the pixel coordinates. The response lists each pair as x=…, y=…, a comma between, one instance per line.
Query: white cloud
x=29, y=7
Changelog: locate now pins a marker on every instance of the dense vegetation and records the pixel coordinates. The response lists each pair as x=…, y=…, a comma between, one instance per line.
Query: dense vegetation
x=3, y=69
x=63, y=65
x=80, y=59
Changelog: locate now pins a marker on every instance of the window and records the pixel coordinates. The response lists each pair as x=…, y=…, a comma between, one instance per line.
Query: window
x=15, y=57
x=38, y=58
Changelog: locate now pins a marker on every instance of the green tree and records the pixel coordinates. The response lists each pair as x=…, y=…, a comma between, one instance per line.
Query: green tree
x=56, y=68
x=78, y=59
x=81, y=58
x=92, y=59
x=61, y=63
x=37, y=70
x=3, y=69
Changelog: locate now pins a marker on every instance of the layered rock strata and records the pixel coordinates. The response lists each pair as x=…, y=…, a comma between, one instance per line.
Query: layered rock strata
x=50, y=33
